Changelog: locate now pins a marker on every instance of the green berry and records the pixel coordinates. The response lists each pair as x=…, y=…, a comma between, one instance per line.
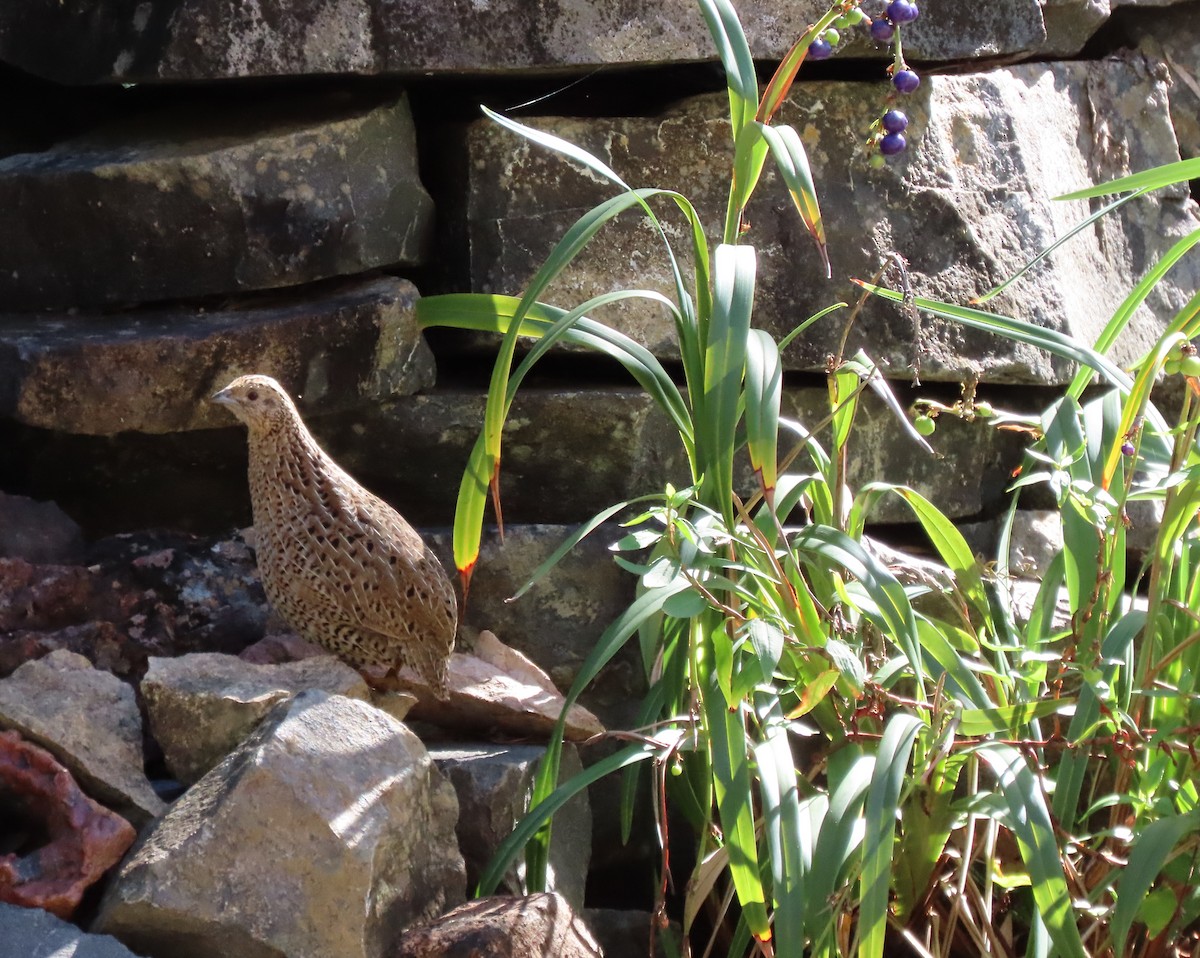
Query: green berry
x=876, y=162
x=1190, y=366
x=924, y=425
x=984, y=410
x=851, y=18
x=832, y=37
x=1172, y=367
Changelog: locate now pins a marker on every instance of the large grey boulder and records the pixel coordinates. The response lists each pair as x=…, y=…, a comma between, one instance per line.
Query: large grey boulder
x=84, y=41
x=152, y=370
x=494, y=783
x=89, y=721
x=969, y=204
x=326, y=832
x=35, y=933
x=209, y=201
x=202, y=706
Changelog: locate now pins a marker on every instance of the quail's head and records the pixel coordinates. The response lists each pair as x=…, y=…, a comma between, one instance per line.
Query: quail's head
x=258, y=401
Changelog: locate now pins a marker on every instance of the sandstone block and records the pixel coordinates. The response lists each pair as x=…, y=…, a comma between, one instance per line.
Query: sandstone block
x=89, y=720
x=116, y=40
x=153, y=369
x=493, y=783
x=210, y=201
x=968, y=204
x=593, y=448
x=202, y=706
x=325, y=833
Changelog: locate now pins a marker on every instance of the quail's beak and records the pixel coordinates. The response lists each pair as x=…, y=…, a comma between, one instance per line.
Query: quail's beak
x=223, y=398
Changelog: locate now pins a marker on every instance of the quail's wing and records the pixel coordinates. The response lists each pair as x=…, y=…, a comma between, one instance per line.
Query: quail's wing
x=399, y=586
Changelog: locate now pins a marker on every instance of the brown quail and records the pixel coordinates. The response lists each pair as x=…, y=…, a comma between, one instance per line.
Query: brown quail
x=340, y=565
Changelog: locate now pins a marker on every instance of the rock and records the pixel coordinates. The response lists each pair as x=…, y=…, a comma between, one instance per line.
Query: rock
x=38, y=532
x=558, y=622
x=1037, y=537
x=212, y=200
x=497, y=688
x=151, y=370
x=146, y=594
x=324, y=833
x=1172, y=36
x=34, y=596
x=1071, y=23
x=65, y=841
x=969, y=203
x=34, y=933
x=493, y=783
x=89, y=721
x=536, y=926
x=597, y=447
x=202, y=706
x=111, y=40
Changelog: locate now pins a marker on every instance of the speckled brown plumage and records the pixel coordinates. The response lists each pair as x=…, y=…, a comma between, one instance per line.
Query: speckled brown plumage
x=340, y=565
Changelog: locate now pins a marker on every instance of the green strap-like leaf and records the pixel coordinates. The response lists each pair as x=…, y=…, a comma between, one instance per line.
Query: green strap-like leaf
x=764, y=391
x=883, y=797
x=735, y=803
x=1031, y=825
x=1153, y=179
x=724, y=366
x=792, y=161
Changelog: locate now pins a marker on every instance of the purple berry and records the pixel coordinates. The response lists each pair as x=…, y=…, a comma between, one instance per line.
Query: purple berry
x=892, y=144
x=895, y=122
x=1127, y=448
x=906, y=81
x=902, y=11
x=882, y=30
x=820, y=49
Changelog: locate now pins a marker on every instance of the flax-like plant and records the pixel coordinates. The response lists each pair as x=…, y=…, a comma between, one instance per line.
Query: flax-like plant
x=866, y=751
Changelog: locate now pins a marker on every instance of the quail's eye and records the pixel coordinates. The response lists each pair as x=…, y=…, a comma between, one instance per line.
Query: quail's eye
x=252, y=395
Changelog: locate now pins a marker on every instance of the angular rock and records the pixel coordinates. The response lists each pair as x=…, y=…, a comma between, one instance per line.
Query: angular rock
x=536, y=926
x=152, y=370
x=34, y=933
x=202, y=706
x=65, y=841
x=497, y=688
x=89, y=721
x=1172, y=36
x=967, y=205
x=205, y=40
x=210, y=201
x=494, y=783
x=38, y=532
x=1071, y=23
x=326, y=832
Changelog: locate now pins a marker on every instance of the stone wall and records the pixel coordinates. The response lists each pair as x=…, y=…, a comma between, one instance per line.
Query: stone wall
x=197, y=190
x=194, y=190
